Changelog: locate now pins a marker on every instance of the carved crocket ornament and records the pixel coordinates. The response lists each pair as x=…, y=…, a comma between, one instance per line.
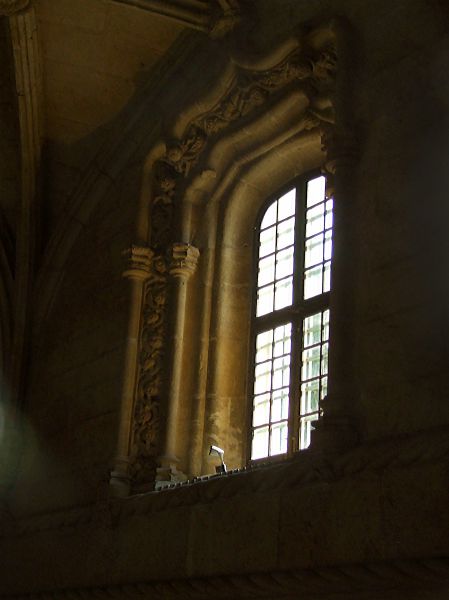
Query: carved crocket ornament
x=9, y=7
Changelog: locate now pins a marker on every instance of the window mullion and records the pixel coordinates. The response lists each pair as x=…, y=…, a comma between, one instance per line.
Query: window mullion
x=295, y=374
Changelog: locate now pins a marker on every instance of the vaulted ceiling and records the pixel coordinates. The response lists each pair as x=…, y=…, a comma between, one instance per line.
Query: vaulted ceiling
x=93, y=53
x=67, y=69
x=74, y=65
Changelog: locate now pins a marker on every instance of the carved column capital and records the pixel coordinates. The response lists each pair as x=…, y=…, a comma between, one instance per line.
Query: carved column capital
x=139, y=261
x=341, y=153
x=340, y=146
x=183, y=260
x=9, y=7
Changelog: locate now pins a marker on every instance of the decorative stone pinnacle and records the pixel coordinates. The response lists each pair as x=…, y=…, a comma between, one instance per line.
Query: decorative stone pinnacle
x=139, y=260
x=184, y=259
x=9, y=7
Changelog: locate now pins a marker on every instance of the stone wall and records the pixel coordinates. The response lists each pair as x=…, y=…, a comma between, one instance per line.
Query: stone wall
x=367, y=522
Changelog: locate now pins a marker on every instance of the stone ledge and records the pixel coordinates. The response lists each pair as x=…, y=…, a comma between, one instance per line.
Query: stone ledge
x=305, y=468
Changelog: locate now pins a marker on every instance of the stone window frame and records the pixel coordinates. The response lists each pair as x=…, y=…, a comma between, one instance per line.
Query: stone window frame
x=293, y=97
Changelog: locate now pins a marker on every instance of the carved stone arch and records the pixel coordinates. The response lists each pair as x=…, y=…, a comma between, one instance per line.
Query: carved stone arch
x=270, y=103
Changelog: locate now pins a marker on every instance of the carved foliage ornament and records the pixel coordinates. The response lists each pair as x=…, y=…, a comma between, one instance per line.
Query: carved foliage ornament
x=315, y=72
x=9, y=7
x=146, y=424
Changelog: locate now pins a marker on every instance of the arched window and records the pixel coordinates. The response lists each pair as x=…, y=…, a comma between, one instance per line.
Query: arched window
x=291, y=317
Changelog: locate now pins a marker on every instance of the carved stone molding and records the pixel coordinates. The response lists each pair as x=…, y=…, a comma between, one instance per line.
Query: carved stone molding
x=214, y=17
x=184, y=260
x=9, y=7
x=139, y=261
x=426, y=573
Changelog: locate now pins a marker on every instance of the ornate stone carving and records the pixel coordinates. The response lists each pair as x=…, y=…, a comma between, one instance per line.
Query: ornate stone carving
x=184, y=260
x=316, y=75
x=146, y=424
x=9, y=7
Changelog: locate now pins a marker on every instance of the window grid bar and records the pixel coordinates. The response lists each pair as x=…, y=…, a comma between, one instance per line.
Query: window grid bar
x=275, y=252
x=277, y=222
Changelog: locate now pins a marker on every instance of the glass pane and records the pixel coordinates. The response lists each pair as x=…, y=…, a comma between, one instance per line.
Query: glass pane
x=329, y=213
x=264, y=346
x=281, y=372
x=325, y=359
x=260, y=443
x=313, y=282
x=315, y=190
x=267, y=242
x=286, y=234
x=284, y=293
x=305, y=429
x=314, y=370
x=261, y=413
x=284, y=263
x=326, y=325
x=328, y=246
x=286, y=205
x=262, y=378
x=312, y=330
x=327, y=277
x=279, y=435
x=279, y=408
x=266, y=271
x=315, y=220
x=282, y=340
x=323, y=387
x=269, y=216
x=314, y=251
x=265, y=297
x=310, y=396
x=310, y=363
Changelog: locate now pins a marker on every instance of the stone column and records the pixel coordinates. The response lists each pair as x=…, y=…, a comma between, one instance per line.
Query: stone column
x=138, y=270
x=16, y=312
x=184, y=259
x=336, y=430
